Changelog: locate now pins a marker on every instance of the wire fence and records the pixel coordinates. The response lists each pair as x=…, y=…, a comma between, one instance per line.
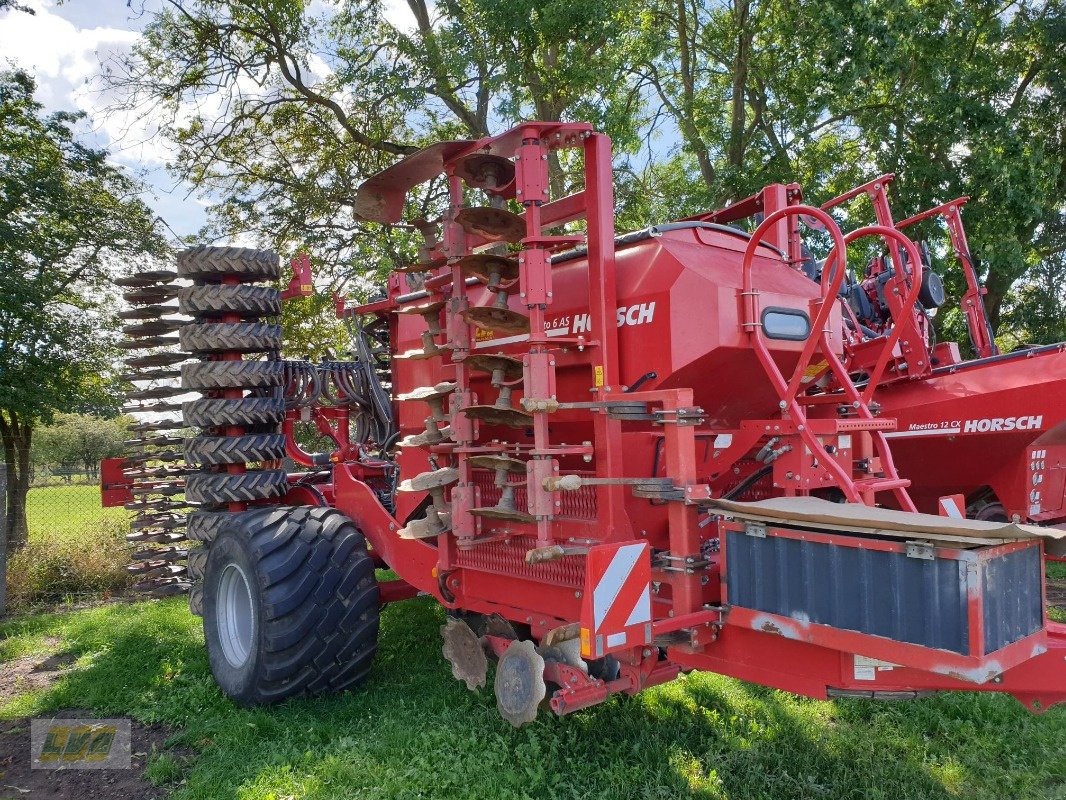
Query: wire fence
x=64, y=510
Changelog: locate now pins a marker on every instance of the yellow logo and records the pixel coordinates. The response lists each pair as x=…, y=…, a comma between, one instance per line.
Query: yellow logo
x=78, y=742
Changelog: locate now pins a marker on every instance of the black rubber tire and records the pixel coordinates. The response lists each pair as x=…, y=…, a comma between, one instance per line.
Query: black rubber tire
x=204, y=526
x=230, y=337
x=212, y=264
x=207, y=375
x=251, y=302
x=216, y=450
x=314, y=604
x=197, y=563
x=196, y=599
x=242, y=487
x=241, y=411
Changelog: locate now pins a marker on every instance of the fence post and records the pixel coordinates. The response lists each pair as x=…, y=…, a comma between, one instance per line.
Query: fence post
x=3, y=539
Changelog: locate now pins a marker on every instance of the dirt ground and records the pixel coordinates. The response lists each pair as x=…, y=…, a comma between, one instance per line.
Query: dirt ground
x=18, y=780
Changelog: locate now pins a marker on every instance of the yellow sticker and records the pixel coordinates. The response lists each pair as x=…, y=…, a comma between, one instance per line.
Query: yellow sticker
x=598, y=376
x=815, y=369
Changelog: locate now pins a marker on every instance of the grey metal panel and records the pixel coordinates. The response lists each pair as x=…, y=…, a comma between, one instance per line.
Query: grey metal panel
x=1013, y=599
x=879, y=593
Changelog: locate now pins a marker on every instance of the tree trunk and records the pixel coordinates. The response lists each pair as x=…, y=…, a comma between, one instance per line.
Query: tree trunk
x=16, y=435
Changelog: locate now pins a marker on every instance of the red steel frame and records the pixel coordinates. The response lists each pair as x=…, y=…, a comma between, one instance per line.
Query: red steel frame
x=546, y=597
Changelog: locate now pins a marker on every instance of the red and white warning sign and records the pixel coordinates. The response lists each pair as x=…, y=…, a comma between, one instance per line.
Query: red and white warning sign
x=616, y=612
x=953, y=505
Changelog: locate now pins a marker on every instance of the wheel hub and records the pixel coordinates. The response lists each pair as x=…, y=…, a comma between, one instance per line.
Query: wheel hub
x=236, y=616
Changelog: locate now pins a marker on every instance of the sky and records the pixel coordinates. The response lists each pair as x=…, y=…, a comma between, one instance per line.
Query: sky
x=63, y=46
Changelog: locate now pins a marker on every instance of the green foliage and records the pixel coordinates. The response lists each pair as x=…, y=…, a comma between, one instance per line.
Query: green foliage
x=66, y=215
x=416, y=732
x=79, y=441
x=706, y=103
x=51, y=569
x=1036, y=312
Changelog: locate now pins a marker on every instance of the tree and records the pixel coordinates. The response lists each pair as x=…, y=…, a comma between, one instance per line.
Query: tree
x=281, y=114
x=79, y=442
x=954, y=96
x=66, y=217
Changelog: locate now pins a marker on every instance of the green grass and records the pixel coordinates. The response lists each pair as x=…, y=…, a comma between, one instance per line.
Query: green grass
x=62, y=512
x=415, y=732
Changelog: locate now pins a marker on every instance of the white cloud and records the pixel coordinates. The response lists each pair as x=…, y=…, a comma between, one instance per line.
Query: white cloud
x=54, y=48
x=63, y=46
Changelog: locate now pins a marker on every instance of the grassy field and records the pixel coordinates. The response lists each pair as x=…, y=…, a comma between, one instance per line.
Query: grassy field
x=60, y=512
x=415, y=732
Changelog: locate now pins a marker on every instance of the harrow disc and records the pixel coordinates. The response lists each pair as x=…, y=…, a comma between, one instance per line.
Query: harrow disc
x=519, y=684
x=155, y=462
x=151, y=294
x=147, y=278
x=154, y=328
x=156, y=360
x=463, y=651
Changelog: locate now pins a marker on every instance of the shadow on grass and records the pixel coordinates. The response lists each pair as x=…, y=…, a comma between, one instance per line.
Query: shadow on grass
x=413, y=731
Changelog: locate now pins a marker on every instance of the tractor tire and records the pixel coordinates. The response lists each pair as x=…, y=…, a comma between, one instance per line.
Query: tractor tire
x=239, y=412
x=212, y=264
x=230, y=337
x=204, y=526
x=197, y=563
x=250, y=302
x=290, y=605
x=215, y=450
x=214, y=488
x=196, y=599
x=208, y=375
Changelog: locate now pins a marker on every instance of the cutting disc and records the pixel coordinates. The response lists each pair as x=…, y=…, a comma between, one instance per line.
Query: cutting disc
x=519, y=684
x=464, y=653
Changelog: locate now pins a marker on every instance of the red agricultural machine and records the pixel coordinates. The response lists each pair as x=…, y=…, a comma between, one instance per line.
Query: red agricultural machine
x=611, y=459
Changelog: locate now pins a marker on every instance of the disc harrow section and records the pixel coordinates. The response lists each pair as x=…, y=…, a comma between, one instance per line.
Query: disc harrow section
x=235, y=341
x=155, y=462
